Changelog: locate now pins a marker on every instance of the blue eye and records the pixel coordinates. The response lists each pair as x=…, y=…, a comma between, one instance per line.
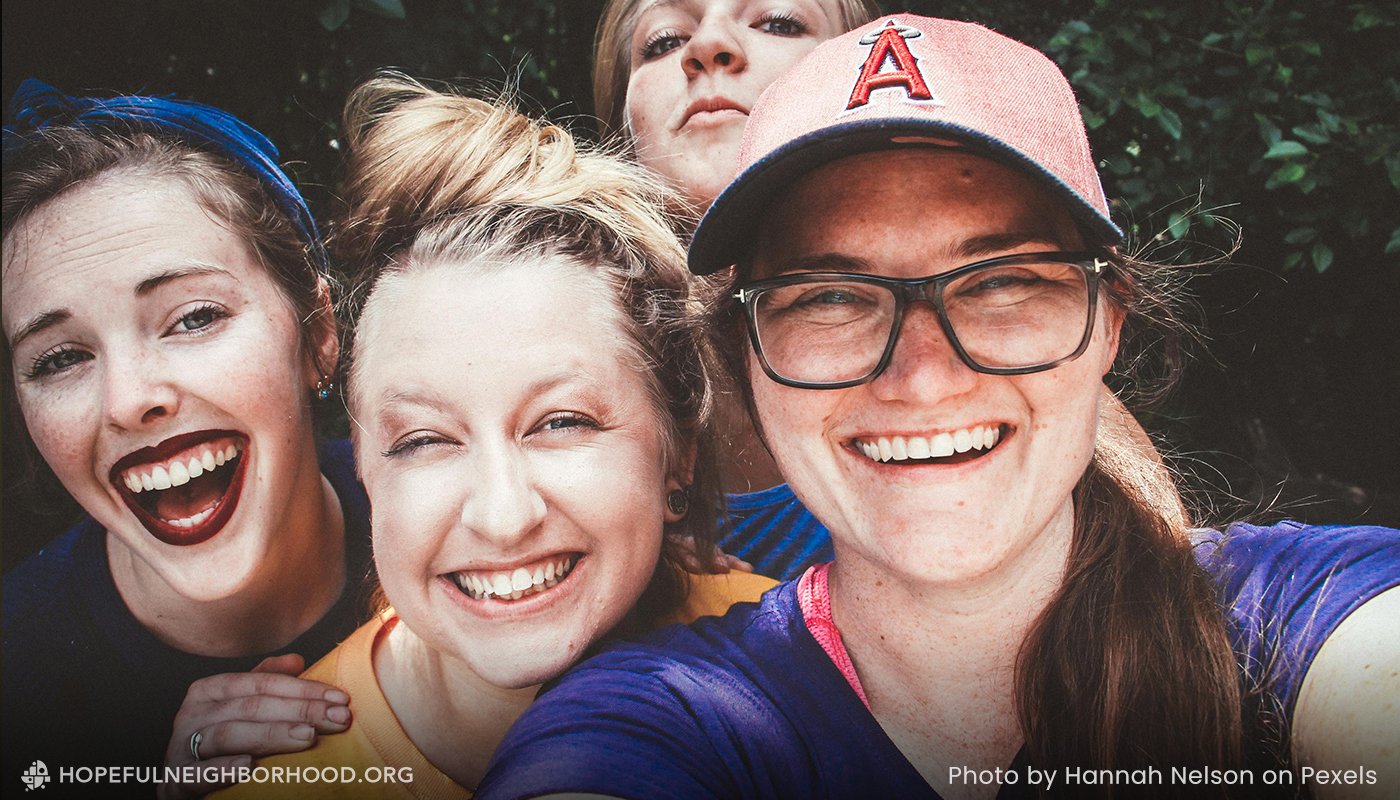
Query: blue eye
x=781, y=25
x=567, y=421
x=198, y=319
x=661, y=44
x=56, y=361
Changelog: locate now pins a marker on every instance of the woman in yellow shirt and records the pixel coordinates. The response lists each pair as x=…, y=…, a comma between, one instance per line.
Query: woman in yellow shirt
x=531, y=422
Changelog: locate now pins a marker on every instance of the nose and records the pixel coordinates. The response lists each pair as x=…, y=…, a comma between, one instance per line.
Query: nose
x=137, y=391
x=924, y=366
x=713, y=47
x=503, y=504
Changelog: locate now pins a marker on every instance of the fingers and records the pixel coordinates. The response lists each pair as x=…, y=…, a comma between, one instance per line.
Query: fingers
x=255, y=714
x=218, y=688
x=238, y=737
x=325, y=716
x=188, y=791
x=734, y=563
x=288, y=664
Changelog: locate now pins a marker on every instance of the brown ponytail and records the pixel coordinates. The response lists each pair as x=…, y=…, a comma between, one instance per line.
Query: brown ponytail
x=1130, y=665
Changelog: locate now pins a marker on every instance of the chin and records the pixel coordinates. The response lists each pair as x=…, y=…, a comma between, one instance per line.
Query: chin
x=525, y=669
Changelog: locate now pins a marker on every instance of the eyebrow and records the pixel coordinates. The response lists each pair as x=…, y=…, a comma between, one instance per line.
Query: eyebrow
x=435, y=400
x=826, y=262
x=189, y=271
x=48, y=319
x=998, y=242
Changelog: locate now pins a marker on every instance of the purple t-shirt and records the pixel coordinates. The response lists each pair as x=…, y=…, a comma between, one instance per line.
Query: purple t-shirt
x=749, y=705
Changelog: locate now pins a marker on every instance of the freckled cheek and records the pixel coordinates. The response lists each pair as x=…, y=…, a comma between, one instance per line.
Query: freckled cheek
x=64, y=429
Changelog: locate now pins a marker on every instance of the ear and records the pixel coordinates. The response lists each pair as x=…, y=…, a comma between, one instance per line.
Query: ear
x=322, y=335
x=1113, y=317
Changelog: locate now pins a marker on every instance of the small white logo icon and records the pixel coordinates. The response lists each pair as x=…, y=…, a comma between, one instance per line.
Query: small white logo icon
x=36, y=776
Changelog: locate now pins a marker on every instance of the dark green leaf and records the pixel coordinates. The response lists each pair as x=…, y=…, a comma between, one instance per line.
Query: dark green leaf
x=1301, y=235
x=1312, y=133
x=1256, y=53
x=1286, y=149
x=1170, y=122
x=1393, y=246
x=1178, y=224
x=1321, y=256
x=1288, y=173
x=334, y=14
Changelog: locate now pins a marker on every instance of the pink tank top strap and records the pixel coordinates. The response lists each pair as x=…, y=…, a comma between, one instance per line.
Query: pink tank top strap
x=814, y=598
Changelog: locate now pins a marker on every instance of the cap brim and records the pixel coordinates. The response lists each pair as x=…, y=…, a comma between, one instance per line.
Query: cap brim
x=725, y=232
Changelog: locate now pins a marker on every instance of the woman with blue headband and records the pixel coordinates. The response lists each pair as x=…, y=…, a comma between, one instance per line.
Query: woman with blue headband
x=168, y=334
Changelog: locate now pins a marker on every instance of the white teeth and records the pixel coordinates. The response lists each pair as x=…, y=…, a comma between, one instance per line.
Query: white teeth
x=901, y=448
x=518, y=583
x=897, y=450
x=940, y=445
x=962, y=441
x=179, y=475
x=918, y=447
x=190, y=522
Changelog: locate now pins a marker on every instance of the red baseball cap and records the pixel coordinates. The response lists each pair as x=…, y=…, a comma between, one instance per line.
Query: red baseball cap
x=907, y=81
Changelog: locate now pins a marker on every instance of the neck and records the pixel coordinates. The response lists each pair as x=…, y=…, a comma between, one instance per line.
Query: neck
x=937, y=658
x=454, y=718
x=278, y=603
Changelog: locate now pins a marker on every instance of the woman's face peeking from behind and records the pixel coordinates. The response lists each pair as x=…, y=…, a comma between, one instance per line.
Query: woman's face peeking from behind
x=515, y=461
x=1000, y=500
x=698, y=66
x=161, y=373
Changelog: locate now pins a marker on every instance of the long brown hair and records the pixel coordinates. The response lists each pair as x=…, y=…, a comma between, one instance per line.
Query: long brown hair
x=1130, y=665
x=437, y=177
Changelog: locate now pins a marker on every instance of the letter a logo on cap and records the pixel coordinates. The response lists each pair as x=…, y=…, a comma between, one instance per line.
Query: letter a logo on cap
x=889, y=43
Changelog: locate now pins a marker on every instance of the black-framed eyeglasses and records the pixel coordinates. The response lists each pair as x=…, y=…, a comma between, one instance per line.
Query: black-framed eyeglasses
x=1011, y=315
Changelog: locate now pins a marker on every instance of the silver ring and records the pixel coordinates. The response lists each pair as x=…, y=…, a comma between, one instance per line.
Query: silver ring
x=195, y=739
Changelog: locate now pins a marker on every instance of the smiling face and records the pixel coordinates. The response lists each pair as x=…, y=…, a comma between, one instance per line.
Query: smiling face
x=160, y=372
x=913, y=214
x=698, y=66
x=514, y=459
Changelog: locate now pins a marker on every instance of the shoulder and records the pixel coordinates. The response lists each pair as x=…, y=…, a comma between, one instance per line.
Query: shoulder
x=1346, y=713
x=713, y=595
x=45, y=598
x=1287, y=587
x=702, y=710
x=349, y=666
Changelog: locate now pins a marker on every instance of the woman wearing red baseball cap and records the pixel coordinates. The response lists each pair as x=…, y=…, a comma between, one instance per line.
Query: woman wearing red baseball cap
x=921, y=293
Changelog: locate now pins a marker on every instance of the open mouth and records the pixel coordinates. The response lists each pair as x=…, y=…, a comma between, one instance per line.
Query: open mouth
x=523, y=581
x=185, y=489
x=949, y=447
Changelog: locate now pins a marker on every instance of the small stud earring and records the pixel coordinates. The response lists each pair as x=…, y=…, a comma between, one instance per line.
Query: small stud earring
x=323, y=387
x=678, y=502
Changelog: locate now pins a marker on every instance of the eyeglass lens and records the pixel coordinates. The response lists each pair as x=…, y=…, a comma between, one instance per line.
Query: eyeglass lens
x=1016, y=315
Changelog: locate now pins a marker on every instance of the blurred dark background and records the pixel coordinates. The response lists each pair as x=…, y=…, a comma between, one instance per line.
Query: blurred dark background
x=1280, y=120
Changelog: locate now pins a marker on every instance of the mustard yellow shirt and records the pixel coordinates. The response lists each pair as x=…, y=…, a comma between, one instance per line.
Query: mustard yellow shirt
x=375, y=745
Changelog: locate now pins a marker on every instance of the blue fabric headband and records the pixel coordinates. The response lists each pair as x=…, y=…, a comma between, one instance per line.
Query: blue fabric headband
x=36, y=106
